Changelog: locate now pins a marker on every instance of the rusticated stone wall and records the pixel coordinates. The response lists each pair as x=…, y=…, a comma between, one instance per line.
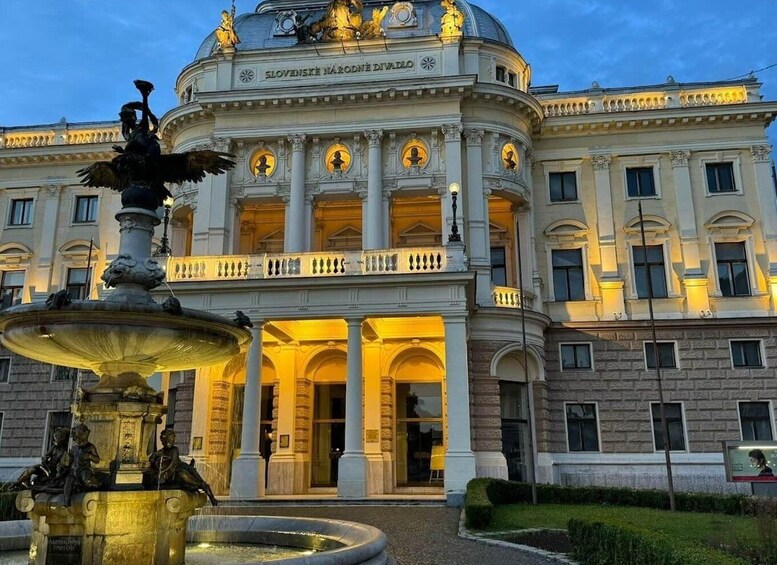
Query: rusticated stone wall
x=705, y=382
x=184, y=410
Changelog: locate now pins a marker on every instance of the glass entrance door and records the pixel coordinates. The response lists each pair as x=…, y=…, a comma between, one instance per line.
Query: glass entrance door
x=515, y=429
x=328, y=433
x=419, y=429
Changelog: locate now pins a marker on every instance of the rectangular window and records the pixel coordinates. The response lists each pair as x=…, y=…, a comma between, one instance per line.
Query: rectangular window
x=649, y=259
x=640, y=182
x=21, y=212
x=511, y=79
x=563, y=187
x=501, y=72
x=720, y=177
x=674, y=421
x=498, y=266
x=76, y=283
x=756, y=421
x=582, y=434
x=568, y=282
x=666, y=356
x=575, y=356
x=5, y=369
x=746, y=354
x=56, y=420
x=86, y=209
x=732, y=269
x=11, y=287
x=60, y=373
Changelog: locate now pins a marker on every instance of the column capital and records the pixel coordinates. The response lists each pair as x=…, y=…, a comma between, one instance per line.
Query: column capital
x=474, y=137
x=601, y=162
x=452, y=132
x=221, y=144
x=374, y=137
x=354, y=321
x=297, y=141
x=454, y=318
x=680, y=158
x=761, y=153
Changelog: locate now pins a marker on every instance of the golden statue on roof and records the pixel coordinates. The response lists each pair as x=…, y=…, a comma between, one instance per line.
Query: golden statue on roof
x=226, y=36
x=452, y=21
x=343, y=20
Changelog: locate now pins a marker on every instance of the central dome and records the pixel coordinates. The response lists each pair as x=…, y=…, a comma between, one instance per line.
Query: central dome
x=269, y=28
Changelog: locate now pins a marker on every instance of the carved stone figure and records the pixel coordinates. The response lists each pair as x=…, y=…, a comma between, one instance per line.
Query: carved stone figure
x=414, y=159
x=167, y=469
x=78, y=462
x=140, y=165
x=337, y=162
x=242, y=320
x=58, y=300
x=45, y=472
x=262, y=167
x=302, y=29
x=225, y=34
x=509, y=160
x=452, y=21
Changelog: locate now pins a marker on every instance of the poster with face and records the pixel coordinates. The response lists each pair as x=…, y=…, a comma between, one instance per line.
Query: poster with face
x=750, y=461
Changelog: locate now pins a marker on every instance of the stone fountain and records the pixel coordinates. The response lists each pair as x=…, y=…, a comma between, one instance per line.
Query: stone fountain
x=101, y=512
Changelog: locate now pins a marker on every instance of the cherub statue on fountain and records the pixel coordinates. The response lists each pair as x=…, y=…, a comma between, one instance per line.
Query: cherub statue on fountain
x=78, y=461
x=41, y=475
x=167, y=469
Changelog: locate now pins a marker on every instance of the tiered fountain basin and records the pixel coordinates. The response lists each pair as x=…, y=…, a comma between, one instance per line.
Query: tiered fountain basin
x=122, y=343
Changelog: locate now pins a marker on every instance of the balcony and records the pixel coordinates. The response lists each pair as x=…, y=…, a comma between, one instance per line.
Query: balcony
x=327, y=264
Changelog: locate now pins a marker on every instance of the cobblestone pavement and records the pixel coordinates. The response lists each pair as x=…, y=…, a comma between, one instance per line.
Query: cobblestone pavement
x=417, y=535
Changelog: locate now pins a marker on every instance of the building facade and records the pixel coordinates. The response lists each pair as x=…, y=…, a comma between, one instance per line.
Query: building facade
x=389, y=357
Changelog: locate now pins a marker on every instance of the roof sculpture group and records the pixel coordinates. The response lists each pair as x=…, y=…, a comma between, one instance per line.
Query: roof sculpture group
x=342, y=20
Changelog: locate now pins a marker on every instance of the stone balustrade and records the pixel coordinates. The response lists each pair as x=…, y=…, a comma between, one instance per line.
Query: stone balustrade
x=507, y=297
x=597, y=101
x=324, y=264
x=59, y=134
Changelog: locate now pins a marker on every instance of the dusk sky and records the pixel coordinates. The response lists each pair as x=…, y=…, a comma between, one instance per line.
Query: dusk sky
x=77, y=58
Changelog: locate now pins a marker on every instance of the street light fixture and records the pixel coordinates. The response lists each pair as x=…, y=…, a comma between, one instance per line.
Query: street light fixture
x=454, y=237
x=164, y=249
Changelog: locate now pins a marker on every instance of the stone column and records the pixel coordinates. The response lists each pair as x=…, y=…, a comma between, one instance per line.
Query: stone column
x=352, y=471
x=295, y=212
x=247, y=480
x=452, y=134
x=611, y=283
x=479, y=247
x=694, y=279
x=459, y=458
x=211, y=223
x=47, y=238
x=373, y=224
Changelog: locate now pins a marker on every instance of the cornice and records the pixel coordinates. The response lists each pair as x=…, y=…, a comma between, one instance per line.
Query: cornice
x=762, y=113
x=55, y=154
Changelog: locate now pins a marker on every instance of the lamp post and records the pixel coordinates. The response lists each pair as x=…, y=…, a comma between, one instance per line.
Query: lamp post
x=454, y=237
x=164, y=249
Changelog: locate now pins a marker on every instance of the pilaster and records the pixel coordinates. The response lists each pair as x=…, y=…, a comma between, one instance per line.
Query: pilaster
x=476, y=226
x=453, y=174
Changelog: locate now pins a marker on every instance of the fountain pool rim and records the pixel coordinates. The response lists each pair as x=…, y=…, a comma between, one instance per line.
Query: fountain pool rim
x=340, y=542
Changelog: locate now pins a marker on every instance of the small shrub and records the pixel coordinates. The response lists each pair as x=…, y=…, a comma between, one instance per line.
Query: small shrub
x=595, y=543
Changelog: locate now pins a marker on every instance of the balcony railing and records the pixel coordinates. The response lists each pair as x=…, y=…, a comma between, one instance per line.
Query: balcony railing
x=507, y=297
x=301, y=265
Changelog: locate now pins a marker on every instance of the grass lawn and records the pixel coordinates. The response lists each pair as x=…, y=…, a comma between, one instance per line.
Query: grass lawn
x=709, y=529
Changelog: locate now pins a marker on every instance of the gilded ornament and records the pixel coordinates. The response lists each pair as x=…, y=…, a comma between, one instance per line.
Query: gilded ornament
x=226, y=36
x=452, y=21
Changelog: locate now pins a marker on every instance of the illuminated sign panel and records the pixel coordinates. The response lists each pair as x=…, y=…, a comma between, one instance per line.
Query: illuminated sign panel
x=750, y=461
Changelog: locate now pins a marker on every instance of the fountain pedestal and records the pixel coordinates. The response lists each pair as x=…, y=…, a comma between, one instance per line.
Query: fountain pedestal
x=143, y=527
x=123, y=431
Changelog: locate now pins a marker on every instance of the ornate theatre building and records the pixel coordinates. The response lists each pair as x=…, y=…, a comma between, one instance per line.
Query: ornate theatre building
x=443, y=263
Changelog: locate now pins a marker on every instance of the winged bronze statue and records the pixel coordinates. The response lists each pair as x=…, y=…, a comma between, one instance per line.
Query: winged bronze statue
x=141, y=163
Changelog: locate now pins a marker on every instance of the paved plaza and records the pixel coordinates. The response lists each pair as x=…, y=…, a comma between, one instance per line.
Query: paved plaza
x=417, y=535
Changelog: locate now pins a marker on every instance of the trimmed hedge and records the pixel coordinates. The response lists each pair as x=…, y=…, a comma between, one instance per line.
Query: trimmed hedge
x=600, y=544
x=482, y=494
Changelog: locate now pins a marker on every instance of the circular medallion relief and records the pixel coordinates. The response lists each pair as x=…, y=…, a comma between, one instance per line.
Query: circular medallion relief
x=263, y=163
x=337, y=158
x=509, y=157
